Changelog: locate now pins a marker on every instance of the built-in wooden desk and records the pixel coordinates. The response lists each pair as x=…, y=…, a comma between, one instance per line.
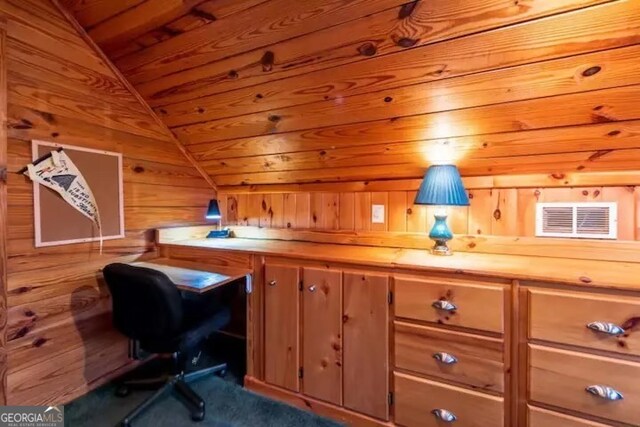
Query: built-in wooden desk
x=380, y=336
x=195, y=277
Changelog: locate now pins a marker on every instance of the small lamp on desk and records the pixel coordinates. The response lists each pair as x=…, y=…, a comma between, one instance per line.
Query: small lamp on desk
x=442, y=186
x=213, y=212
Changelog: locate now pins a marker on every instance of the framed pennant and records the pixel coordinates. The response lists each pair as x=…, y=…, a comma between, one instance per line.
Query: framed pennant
x=78, y=194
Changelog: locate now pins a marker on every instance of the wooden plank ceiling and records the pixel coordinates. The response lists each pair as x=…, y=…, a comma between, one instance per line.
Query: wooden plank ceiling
x=283, y=91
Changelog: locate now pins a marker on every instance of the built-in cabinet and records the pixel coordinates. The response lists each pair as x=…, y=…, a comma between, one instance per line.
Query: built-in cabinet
x=327, y=335
x=282, y=320
x=450, y=353
x=423, y=350
x=322, y=334
x=582, y=356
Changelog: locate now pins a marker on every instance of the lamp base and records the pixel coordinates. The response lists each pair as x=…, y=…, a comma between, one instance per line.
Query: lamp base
x=219, y=234
x=441, y=248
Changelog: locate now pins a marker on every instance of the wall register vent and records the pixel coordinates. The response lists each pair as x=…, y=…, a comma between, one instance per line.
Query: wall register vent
x=577, y=220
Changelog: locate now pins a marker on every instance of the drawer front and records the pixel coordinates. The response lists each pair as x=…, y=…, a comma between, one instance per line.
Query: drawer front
x=463, y=358
x=416, y=398
x=560, y=378
x=538, y=417
x=471, y=306
x=563, y=317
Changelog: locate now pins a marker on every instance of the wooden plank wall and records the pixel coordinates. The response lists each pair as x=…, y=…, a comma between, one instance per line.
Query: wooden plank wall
x=60, y=338
x=3, y=211
x=493, y=211
x=277, y=91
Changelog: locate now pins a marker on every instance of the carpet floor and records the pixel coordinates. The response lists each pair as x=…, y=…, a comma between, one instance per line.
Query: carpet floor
x=228, y=405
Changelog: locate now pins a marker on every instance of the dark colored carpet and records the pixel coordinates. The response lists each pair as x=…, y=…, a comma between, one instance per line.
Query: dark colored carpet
x=228, y=404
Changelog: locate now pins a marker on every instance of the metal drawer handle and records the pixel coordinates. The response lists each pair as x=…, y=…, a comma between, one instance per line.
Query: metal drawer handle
x=605, y=392
x=272, y=283
x=444, y=305
x=444, y=415
x=312, y=288
x=445, y=358
x=606, y=328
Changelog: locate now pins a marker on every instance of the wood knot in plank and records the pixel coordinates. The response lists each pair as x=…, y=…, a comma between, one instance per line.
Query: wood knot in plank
x=598, y=154
x=198, y=13
x=592, y=71
x=614, y=133
x=557, y=176
x=405, y=41
x=23, y=124
x=48, y=117
x=368, y=49
x=631, y=323
x=274, y=118
x=21, y=332
x=497, y=214
x=138, y=169
x=585, y=279
x=38, y=342
x=267, y=61
x=407, y=9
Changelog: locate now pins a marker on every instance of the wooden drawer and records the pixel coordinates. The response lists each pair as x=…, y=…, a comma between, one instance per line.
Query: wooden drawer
x=476, y=306
x=538, y=417
x=562, y=317
x=560, y=378
x=479, y=360
x=416, y=398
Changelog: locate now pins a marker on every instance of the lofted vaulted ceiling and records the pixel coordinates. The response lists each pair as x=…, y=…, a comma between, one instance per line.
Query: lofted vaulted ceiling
x=279, y=91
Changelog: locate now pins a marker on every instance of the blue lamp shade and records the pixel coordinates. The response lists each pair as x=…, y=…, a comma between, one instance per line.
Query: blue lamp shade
x=442, y=186
x=213, y=212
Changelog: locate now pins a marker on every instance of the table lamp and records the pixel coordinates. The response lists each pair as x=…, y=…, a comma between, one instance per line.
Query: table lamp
x=441, y=186
x=213, y=212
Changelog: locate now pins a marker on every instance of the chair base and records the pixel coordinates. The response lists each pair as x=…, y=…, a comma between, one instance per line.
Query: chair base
x=179, y=383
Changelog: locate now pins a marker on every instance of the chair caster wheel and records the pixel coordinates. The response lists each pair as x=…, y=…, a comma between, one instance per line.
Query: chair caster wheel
x=123, y=391
x=197, y=416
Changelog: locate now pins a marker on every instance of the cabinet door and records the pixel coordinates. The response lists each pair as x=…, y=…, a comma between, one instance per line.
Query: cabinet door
x=281, y=332
x=366, y=343
x=322, y=334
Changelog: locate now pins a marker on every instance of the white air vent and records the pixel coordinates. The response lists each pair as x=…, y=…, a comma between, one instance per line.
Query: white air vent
x=582, y=220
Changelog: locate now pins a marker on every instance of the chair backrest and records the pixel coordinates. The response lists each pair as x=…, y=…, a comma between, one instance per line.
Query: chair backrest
x=146, y=303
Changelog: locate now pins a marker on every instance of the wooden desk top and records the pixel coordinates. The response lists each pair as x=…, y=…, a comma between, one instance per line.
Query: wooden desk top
x=193, y=280
x=586, y=273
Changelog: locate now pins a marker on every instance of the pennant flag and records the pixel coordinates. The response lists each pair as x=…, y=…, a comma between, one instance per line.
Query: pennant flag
x=60, y=174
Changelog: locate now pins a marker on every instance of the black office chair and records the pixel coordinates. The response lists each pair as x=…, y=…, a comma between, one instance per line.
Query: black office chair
x=150, y=309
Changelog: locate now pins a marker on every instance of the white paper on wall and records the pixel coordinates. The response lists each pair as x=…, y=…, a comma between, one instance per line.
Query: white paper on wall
x=60, y=174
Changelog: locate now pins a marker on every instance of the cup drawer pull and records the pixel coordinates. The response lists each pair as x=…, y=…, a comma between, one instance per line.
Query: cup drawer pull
x=445, y=358
x=444, y=305
x=444, y=415
x=605, y=392
x=273, y=283
x=606, y=328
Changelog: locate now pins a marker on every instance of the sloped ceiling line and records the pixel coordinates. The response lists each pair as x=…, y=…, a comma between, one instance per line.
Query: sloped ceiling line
x=170, y=135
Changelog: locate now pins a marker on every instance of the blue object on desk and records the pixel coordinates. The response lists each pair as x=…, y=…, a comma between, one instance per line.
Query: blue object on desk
x=442, y=186
x=219, y=234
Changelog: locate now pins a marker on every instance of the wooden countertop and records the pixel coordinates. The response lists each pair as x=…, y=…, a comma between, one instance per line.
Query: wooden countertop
x=587, y=273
